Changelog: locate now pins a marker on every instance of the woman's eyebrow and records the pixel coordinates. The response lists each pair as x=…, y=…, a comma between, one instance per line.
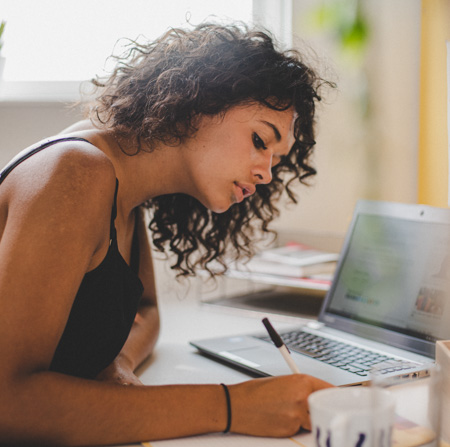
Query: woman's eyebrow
x=274, y=128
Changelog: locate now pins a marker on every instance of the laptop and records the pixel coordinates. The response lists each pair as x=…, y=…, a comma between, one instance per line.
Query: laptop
x=387, y=305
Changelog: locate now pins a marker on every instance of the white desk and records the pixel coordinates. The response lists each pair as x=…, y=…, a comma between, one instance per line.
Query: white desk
x=175, y=361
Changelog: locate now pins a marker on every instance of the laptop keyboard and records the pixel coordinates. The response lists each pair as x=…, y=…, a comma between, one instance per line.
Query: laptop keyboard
x=344, y=356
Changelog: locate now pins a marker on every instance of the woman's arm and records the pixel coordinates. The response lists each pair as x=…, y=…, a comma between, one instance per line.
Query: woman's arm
x=145, y=329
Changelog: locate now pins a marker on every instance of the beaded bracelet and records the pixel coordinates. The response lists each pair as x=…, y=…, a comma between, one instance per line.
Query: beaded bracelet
x=227, y=395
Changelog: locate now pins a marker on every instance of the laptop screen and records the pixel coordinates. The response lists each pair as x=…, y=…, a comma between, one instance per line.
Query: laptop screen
x=394, y=274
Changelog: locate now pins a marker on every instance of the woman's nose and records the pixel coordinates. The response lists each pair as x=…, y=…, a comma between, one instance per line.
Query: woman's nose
x=263, y=171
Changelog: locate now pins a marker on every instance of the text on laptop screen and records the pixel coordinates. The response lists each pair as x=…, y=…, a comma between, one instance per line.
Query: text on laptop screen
x=396, y=274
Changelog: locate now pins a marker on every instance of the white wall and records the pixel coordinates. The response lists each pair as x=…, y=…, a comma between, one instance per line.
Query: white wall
x=22, y=124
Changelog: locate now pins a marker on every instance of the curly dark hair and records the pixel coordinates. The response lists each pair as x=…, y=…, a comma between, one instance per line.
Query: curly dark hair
x=157, y=93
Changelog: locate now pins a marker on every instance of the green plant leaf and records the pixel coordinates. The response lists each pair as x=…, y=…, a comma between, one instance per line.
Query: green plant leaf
x=2, y=28
x=344, y=21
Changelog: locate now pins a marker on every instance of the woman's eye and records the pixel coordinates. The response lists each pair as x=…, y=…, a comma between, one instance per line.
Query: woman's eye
x=258, y=142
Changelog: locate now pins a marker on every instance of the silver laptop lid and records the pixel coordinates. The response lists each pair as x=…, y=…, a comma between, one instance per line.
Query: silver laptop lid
x=392, y=280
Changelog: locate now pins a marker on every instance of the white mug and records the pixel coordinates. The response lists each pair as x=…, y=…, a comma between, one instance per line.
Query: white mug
x=352, y=417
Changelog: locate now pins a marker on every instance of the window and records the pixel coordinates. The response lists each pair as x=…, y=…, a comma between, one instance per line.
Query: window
x=50, y=41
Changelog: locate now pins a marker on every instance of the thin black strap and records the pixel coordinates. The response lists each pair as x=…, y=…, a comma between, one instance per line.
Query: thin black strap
x=135, y=253
x=112, y=227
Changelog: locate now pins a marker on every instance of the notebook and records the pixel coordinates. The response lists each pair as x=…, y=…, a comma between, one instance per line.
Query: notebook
x=388, y=303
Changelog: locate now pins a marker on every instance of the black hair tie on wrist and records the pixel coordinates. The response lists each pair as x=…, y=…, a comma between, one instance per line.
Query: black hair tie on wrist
x=227, y=395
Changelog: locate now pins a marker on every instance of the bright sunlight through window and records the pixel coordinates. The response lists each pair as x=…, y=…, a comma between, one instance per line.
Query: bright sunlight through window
x=70, y=40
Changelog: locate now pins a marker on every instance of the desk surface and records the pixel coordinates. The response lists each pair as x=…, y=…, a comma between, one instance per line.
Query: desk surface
x=175, y=361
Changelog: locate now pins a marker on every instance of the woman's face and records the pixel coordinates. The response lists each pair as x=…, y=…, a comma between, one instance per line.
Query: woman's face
x=229, y=156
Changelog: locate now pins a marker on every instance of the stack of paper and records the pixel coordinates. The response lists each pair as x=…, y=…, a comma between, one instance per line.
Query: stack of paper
x=292, y=261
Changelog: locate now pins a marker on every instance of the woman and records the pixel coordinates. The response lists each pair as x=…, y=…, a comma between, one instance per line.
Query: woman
x=204, y=127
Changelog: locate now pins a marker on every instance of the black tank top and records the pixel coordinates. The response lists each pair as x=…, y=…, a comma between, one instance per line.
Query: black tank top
x=105, y=305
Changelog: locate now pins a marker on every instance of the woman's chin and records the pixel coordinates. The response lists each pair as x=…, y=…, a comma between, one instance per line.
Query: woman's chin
x=220, y=208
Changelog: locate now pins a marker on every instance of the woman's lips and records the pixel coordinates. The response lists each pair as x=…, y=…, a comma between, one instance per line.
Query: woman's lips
x=243, y=191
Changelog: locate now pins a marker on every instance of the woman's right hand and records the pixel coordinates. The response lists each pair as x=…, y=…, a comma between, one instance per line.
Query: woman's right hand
x=273, y=407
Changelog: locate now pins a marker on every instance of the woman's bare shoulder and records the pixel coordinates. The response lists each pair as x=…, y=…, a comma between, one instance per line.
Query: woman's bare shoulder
x=83, y=160
x=67, y=164
x=73, y=181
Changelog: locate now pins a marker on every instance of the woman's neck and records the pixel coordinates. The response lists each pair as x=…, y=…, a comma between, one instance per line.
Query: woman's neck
x=143, y=176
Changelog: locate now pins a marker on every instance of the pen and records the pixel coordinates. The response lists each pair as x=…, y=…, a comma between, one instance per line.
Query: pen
x=278, y=342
